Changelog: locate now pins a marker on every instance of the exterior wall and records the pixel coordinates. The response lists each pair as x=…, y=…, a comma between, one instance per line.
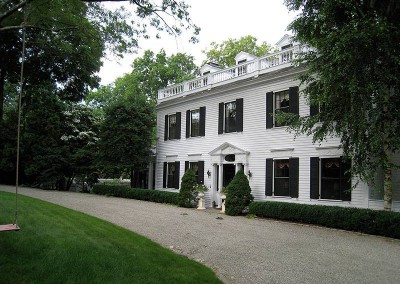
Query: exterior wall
x=260, y=142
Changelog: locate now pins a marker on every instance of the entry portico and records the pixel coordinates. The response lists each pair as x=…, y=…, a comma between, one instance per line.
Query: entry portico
x=227, y=159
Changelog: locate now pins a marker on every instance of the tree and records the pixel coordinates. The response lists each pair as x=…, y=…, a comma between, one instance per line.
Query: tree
x=126, y=135
x=67, y=38
x=238, y=194
x=224, y=53
x=188, y=193
x=352, y=75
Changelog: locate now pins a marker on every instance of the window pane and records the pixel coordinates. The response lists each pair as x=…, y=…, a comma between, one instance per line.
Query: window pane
x=171, y=175
x=281, y=103
x=230, y=117
x=195, y=167
x=330, y=179
x=195, y=123
x=172, y=126
x=281, y=177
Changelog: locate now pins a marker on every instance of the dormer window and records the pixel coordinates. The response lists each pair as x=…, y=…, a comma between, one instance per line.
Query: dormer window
x=286, y=46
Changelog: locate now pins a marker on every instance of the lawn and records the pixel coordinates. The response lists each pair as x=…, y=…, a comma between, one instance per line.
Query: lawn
x=56, y=244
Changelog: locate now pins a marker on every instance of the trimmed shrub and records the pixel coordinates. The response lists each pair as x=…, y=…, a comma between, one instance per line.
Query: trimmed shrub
x=238, y=194
x=188, y=193
x=366, y=221
x=136, y=193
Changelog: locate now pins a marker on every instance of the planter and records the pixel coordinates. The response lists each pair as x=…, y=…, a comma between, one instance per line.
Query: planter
x=223, y=197
x=201, y=205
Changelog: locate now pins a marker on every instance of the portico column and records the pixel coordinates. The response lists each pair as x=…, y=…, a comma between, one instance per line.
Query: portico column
x=220, y=183
x=238, y=167
x=246, y=169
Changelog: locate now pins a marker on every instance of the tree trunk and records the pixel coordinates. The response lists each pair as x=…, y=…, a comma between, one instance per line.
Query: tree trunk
x=387, y=188
x=69, y=182
x=132, y=177
x=2, y=79
x=387, y=169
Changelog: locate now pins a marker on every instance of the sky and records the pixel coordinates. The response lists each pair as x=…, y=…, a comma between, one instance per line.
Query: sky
x=219, y=20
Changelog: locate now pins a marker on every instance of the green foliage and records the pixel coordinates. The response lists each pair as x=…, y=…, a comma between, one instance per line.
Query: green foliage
x=367, y=221
x=238, y=194
x=224, y=53
x=126, y=135
x=188, y=193
x=136, y=193
x=352, y=74
x=57, y=244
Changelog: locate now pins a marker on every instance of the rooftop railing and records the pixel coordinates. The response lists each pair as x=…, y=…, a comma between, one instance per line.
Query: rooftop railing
x=256, y=66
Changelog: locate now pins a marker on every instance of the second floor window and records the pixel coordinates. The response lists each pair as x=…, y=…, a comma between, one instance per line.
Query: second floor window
x=286, y=101
x=172, y=128
x=196, y=122
x=230, y=117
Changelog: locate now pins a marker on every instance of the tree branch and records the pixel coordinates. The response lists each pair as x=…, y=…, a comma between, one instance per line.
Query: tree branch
x=13, y=9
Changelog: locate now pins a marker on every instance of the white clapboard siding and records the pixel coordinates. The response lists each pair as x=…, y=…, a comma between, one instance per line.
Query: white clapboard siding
x=255, y=138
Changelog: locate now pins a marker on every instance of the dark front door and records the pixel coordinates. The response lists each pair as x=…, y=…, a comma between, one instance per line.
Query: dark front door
x=228, y=173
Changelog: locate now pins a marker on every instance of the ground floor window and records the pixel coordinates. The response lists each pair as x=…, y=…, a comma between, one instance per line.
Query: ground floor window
x=171, y=175
x=198, y=168
x=330, y=179
x=282, y=177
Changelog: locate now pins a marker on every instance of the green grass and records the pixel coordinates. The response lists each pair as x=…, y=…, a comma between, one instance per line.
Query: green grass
x=57, y=244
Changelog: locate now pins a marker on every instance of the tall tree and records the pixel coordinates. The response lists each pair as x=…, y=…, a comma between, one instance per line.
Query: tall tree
x=224, y=53
x=352, y=75
x=126, y=135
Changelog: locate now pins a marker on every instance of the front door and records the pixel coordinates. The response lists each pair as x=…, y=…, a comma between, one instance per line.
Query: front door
x=228, y=174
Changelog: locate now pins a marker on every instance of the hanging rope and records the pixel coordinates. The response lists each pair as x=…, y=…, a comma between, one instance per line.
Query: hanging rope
x=21, y=83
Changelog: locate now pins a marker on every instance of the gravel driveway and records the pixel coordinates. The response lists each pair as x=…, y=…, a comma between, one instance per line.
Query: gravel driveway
x=242, y=250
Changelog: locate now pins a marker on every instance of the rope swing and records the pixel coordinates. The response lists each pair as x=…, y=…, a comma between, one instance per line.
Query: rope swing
x=14, y=226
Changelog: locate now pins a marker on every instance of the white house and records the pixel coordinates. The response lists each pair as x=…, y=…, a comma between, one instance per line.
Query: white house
x=221, y=122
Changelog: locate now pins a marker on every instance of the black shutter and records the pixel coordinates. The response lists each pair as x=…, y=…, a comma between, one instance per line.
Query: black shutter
x=187, y=123
x=345, y=180
x=164, y=180
x=201, y=172
x=221, y=118
x=178, y=125
x=268, y=176
x=294, y=177
x=239, y=115
x=166, y=128
x=294, y=100
x=314, y=177
x=202, y=121
x=186, y=165
x=269, y=109
x=177, y=171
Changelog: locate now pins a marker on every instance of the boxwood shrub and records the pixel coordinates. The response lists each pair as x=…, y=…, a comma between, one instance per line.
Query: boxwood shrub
x=136, y=193
x=366, y=221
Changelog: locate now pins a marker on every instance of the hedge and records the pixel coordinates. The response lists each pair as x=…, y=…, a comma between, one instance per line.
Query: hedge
x=136, y=193
x=381, y=223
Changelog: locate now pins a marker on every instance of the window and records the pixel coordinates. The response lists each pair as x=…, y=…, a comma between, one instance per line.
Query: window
x=230, y=117
x=286, y=101
x=195, y=122
x=198, y=168
x=171, y=175
x=195, y=167
x=330, y=179
x=282, y=177
x=172, y=126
